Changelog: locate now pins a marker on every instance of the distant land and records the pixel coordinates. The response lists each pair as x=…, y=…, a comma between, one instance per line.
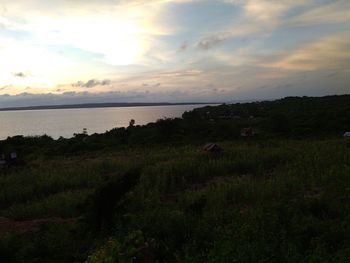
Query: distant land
x=101, y=105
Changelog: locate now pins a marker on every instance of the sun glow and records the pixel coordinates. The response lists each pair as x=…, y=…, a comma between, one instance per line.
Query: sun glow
x=29, y=65
x=107, y=40
x=118, y=41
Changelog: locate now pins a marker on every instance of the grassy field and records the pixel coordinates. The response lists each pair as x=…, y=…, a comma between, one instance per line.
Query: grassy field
x=273, y=200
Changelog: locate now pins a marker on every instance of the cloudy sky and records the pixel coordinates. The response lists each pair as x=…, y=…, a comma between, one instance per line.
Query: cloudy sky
x=77, y=51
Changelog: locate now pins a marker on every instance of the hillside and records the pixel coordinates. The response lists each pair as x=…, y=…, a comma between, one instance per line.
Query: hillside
x=292, y=117
x=151, y=194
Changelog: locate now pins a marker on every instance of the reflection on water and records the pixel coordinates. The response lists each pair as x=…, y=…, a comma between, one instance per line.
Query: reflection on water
x=66, y=122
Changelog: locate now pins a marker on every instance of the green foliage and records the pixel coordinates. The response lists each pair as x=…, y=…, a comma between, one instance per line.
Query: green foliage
x=145, y=194
x=107, y=253
x=133, y=248
x=264, y=201
x=63, y=204
x=279, y=123
x=293, y=117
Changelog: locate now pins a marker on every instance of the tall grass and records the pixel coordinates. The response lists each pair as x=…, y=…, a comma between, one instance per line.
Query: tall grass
x=257, y=201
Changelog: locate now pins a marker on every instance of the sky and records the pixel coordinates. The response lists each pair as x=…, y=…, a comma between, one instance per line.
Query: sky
x=82, y=51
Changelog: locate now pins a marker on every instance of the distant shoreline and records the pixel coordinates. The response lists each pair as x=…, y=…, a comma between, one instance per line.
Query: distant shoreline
x=102, y=105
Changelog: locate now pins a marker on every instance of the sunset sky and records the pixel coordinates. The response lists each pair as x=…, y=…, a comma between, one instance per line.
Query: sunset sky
x=78, y=51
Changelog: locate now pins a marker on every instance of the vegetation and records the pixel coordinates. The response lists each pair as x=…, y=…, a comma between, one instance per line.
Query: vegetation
x=150, y=194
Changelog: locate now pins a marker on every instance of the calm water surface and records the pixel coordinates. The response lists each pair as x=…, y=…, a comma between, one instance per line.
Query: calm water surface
x=66, y=122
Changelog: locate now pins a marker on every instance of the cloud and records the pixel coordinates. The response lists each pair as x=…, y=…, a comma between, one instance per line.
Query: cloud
x=333, y=74
x=334, y=12
x=184, y=46
x=72, y=97
x=211, y=41
x=327, y=53
x=119, y=32
x=150, y=85
x=92, y=83
x=266, y=11
x=258, y=17
x=30, y=99
x=5, y=87
x=142, y=43
x=179, y=73
x=262, y=17
x=20, y=75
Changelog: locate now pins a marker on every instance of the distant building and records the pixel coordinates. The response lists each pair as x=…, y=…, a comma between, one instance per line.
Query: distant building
x=212, y=148
x=247, y=132
x=224, y=117
x=346, y=134
x=13, y=155
x=2, y=160
x=10, y=159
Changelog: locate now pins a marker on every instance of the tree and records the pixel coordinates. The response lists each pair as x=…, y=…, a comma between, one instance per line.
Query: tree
x=279, y=123
x=131, y=123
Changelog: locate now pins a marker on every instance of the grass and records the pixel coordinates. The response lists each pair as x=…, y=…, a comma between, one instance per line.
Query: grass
x=63, y=204
x=258, y=201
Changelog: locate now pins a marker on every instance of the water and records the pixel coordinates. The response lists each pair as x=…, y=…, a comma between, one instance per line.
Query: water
x=66, y=122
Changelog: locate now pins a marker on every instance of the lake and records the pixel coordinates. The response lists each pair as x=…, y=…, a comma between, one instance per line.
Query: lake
x=66, y=122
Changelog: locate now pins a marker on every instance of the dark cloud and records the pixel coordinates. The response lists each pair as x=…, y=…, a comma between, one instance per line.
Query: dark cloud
x=333, y=74
x=20, y=74
x=73, y=97
x=150, y=85
x=184, y=46
x=105, y=82
x=264, y=87
x=210, y=42
x=78, y=84
x=92, y=83
x=5, y=87
x=288, y=85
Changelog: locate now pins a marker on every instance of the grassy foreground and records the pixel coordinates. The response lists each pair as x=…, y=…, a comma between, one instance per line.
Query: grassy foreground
x=272, y=200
